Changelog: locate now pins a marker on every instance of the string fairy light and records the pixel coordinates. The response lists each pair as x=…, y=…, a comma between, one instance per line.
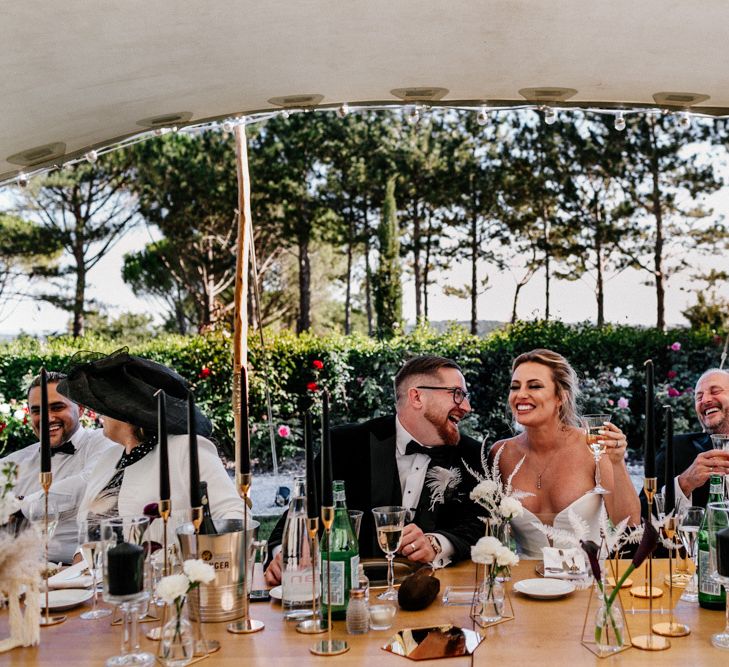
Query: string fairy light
x=413, y=114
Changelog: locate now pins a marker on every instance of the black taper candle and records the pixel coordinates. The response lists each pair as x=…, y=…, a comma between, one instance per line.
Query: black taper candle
x=670, y=493
x=195, y=499
x=312, y=499
x=45, y=429
x=327, y=492
x=649, y=450
x=164, y=461
x=244, y=446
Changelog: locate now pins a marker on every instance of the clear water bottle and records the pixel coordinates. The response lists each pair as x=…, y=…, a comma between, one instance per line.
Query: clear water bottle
x=358, y=616
x=364, y=582
x=297, y=578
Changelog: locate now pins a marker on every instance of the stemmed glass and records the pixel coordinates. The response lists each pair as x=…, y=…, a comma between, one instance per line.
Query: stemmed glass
x=593, y=424
x=689, y=520
x=37, y=517
x=721, y=442
x=89, y=539
x=389, y=523
x=123, y=558
x=718, y=520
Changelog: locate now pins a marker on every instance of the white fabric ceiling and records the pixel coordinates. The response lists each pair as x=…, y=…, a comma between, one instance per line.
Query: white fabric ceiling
x=84, y=72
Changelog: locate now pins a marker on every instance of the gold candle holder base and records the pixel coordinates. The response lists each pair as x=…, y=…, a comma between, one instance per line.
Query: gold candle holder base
x=330, y=647
x=645, y=591
x=610, y=581
x=245, y=627
x=671, y=629
x=314, y=626
x=47, y=621
x=651, y=643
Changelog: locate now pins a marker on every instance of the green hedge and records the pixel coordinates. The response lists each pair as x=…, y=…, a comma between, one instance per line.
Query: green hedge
x=358, y=371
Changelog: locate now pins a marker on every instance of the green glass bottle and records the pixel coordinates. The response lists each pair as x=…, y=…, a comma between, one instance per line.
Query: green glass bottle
x=344, y=557
x=711, y=593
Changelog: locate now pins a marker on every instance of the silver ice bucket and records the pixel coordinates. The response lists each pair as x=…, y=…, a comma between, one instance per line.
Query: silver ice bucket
x=219, y=600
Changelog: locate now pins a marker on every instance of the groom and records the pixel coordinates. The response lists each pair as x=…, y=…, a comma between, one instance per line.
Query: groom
x=415, y=459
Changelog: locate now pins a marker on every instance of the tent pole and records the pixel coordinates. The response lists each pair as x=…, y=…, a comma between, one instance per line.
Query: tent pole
x=240, y=325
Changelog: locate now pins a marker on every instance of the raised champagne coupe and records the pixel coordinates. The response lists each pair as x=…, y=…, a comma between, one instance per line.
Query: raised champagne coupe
x=595, y=443
x=389, y=523
x=689, y=520
x=89, y=539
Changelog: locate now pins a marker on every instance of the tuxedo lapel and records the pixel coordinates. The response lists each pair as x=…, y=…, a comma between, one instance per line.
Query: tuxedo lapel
x=384, y=479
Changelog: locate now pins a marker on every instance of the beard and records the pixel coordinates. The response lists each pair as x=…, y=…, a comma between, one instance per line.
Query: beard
x=720, y=428
x=445, y=428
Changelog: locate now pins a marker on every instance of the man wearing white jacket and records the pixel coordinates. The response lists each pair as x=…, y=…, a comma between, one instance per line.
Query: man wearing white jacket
x=75, y=451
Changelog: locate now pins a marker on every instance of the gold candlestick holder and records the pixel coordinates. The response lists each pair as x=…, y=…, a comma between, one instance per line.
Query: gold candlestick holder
x=650, y=642
x=315, y=625
x=202, y=648
x=46, y=479
x=329, y=646
x=671, y=629
x=165, y=509
x=245, y=625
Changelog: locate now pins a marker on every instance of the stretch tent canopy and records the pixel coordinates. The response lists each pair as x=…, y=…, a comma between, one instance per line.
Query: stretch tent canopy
x=80, y=75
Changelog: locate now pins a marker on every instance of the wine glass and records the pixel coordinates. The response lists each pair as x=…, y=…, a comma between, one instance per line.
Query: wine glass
x=689, y=520
x=89, y=539
x=37, y=517
x=389, y=522
x=595, y=443
x=123, y=558
x=721, y=442
x=718, y=520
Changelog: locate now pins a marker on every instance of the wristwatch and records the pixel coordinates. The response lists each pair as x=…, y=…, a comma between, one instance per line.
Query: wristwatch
x=437, y=547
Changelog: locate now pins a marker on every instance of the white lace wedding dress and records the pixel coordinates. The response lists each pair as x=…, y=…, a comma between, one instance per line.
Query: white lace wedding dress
x=530, y=540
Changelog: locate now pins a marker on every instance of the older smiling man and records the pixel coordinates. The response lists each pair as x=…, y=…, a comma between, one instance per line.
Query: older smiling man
x=695, y=460
x=74, y=452
x=385, y=461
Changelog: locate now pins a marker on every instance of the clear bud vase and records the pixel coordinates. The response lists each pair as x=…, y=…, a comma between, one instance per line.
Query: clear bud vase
x=490, y=597
x=609, y=629
x=177, y=642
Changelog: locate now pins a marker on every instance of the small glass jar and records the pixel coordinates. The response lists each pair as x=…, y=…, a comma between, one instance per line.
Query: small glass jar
x=382, y=615
x=364, y=582
x=358, y=616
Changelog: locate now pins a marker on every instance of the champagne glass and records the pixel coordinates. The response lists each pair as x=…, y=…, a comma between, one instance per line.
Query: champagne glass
x=721, y=442
x=593, y=424
x=89, y=539
x=123, y=565
x=718, y=520
x=37, y=517
x=389, y=522
x=689, y=521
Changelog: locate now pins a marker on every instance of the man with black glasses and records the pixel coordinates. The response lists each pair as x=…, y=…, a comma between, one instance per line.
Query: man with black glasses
x=414, y=458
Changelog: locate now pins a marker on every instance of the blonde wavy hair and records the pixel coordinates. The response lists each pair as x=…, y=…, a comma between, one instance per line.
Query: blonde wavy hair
x=564, y=378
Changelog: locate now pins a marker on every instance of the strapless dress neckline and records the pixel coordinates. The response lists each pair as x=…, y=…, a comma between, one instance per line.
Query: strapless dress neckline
x=530, y=539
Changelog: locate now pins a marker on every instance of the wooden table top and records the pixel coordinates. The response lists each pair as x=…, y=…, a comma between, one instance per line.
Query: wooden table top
x=542, y=633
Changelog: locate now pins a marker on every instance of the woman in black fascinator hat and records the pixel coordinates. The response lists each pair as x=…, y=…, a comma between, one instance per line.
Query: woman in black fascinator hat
x=122, y=389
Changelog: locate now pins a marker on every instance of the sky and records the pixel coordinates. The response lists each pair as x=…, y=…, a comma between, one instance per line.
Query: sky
x=627, y=299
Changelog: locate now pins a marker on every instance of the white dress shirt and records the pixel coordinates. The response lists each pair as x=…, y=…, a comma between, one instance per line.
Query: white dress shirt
x=71, y=474
x=412, y=469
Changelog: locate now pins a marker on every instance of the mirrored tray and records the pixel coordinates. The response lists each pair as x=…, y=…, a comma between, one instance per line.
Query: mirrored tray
x=376, y=570
x=442, y=641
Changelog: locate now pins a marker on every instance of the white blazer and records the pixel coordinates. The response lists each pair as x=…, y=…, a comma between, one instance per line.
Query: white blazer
x=141, y=483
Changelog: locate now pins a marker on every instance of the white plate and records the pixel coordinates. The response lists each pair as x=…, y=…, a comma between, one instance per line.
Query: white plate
x=66, y=598
x=67, y=574
x=276, y=593
x=544, y=589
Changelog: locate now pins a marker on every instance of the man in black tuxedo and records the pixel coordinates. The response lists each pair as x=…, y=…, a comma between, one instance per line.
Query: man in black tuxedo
x=694, y=458
x=395, y=460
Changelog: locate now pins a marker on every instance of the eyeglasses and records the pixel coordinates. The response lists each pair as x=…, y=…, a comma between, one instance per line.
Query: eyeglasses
x=458, y=394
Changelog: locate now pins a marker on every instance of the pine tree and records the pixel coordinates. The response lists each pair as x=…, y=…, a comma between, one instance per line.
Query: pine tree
x=386, y=281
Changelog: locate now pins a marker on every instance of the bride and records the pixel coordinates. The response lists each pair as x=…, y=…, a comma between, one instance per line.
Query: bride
x=558, y=467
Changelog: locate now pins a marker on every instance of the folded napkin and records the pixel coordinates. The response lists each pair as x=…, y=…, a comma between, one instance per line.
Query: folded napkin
x=564, y=563
x=75, y=576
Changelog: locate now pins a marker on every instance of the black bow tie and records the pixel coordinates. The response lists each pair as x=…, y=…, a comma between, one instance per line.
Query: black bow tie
x=65, y=448
x=440, y=455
